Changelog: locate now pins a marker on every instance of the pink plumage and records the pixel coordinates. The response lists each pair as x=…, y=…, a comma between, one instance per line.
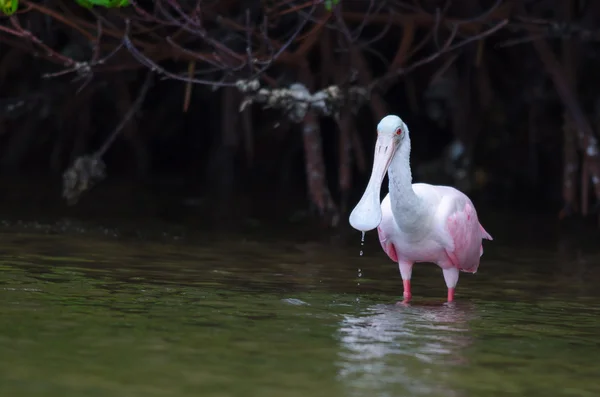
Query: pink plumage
x=417, y=222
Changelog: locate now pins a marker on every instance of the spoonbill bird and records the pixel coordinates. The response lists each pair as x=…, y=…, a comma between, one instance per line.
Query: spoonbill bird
x=417, y=222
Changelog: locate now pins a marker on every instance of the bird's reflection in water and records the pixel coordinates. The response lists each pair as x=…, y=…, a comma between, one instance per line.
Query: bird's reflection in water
x=404, y=350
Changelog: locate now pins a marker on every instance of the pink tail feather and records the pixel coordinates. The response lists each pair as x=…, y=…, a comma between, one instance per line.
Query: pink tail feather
x=485, y=234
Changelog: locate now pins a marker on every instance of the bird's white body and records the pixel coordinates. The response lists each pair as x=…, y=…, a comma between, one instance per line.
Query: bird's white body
x=417, y=222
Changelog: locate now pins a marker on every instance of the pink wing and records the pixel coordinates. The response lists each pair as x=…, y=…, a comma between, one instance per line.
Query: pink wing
x=387, y=245
x=466, y=233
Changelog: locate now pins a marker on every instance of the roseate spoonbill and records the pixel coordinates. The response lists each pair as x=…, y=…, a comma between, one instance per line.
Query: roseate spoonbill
x=417, y=222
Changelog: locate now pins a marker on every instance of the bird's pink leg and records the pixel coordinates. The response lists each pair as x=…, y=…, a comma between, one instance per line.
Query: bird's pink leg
x=407, y=294
x=450, y=294
x=406, y=273
x=451, y=278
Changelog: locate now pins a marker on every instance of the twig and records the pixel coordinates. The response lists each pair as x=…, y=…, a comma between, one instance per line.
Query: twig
x=26, y=34
x=393, y=75
x=86, y=69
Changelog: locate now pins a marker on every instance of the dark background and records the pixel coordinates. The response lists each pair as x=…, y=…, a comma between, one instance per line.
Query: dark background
x=494, y=93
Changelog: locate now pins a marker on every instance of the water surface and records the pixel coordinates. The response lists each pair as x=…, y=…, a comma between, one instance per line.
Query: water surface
x=104, y=316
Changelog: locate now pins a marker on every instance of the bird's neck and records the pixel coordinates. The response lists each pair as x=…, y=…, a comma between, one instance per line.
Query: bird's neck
x=408, y=208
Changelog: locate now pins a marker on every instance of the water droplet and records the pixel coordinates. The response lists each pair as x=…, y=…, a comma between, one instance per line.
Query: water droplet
x=362, y=243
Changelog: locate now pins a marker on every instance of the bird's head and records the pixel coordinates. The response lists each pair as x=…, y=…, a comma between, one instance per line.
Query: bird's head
x=391, y=130
x=391, y=133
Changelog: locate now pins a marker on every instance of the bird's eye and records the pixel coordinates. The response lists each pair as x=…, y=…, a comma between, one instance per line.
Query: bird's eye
x=399, y=131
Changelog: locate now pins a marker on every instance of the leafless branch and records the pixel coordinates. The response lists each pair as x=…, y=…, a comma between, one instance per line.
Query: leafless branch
x=296, y=100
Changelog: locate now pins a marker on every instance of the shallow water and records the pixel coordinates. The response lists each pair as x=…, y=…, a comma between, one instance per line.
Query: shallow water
x=85, y=315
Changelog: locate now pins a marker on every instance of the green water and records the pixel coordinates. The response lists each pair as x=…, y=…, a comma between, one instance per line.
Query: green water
x=91, y=316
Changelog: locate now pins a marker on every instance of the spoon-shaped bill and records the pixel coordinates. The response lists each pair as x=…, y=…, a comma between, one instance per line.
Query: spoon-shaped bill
x=367, y=213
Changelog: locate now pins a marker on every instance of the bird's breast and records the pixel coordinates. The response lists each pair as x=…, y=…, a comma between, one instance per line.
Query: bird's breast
x=425, y=250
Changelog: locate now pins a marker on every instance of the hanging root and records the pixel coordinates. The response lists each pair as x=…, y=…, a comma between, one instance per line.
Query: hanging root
x=315, y=164
x=88, y=170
